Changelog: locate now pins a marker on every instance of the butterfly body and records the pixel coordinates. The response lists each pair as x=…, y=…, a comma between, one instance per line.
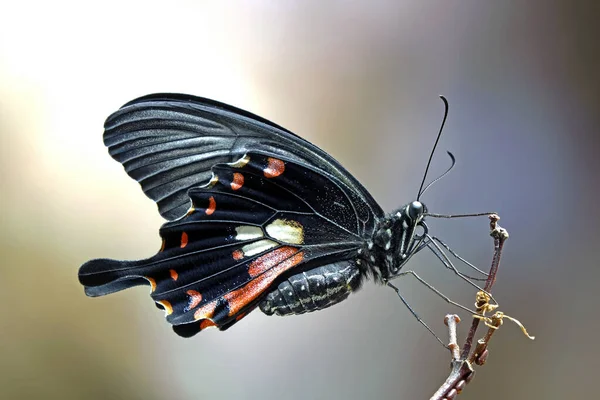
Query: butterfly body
x=258, y=216
x=313, y=290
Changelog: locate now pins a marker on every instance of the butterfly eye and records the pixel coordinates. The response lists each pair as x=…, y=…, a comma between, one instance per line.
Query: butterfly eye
x=415, y=210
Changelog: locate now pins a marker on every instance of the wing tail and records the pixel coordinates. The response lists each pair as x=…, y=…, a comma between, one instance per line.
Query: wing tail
x=104, y=276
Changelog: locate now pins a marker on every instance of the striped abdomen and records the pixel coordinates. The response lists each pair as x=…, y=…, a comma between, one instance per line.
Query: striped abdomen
x=313, y=290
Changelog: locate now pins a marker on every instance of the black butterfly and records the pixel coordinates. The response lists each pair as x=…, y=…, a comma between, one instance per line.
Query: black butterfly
x=257, y=216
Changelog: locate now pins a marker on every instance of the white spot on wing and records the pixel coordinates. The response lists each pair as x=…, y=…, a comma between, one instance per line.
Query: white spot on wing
x=287, y=231
x=248, y=232
x=258, y=247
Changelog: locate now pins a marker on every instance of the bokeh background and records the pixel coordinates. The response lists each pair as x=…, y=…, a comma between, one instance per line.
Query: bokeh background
x=359, y=79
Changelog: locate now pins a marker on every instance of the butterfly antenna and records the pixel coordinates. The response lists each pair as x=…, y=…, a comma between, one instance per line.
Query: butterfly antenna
x=442, y=175
x=433, y=150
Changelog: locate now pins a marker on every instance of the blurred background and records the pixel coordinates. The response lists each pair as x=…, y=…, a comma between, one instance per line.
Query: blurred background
x=360, y=80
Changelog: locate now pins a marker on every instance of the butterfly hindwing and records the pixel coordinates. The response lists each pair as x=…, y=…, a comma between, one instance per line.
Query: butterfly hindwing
x=257, y=218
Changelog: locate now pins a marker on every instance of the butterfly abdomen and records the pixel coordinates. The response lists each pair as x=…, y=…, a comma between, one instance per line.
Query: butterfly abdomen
x=313, y=290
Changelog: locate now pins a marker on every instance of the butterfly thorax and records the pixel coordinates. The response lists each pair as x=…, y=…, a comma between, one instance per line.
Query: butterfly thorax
x=393, y=242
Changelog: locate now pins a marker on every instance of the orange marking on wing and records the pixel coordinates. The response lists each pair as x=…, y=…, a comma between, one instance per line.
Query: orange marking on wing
x=195, y=298
x=238, y=181
x=184, y=239
x=238, y=255
x=269, y=260
x=206, y=311
x=206, y=323
x=162, y=246
x=190, y=211
x=243, y=296
x=212, y=205
x=152, y=283
x=242, y=315
x=167, y=306
x=274, y=167
x=174, y=274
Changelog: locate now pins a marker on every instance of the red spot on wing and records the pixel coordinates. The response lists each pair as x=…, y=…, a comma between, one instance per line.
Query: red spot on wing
x=243, y=296
x=195, y=298
x=238, y=181
x=238, y=255
x=274, y=167
x=206, y=311
x=184, y=239
x=242, y=315
x=206, y=323
x=212, y=206
x=269, y=260
x=174, y=274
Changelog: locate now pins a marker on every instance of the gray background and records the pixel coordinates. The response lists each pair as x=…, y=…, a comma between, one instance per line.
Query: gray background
x=361, y=81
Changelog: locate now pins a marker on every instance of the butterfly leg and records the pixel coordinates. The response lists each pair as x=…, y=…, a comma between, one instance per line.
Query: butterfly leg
x=426, y=242
x=458, y=257
x=439, y=253
x=444, y=259
x=313, y=290
x=415, y=314
x=434, y=290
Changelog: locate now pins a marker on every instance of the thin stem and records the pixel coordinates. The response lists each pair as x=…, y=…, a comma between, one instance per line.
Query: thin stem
x=451, y=322
x=500, y=235
x=460, y=375
x=462, y=370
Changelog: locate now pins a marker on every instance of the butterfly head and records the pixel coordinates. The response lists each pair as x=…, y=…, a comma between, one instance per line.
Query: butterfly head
x=399, y=236
x=415, y=211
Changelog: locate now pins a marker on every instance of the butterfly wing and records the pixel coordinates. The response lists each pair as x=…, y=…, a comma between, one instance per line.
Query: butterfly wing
x=257, y=218
x=169, y=142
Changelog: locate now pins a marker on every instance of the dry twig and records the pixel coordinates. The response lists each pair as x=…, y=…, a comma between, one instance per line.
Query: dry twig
x=462, y=362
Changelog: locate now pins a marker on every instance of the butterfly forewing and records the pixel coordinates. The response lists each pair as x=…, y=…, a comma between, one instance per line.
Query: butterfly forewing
x=169, y=143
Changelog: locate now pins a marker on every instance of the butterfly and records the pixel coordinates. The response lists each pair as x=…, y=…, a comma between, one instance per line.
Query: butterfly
x=257, y=216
